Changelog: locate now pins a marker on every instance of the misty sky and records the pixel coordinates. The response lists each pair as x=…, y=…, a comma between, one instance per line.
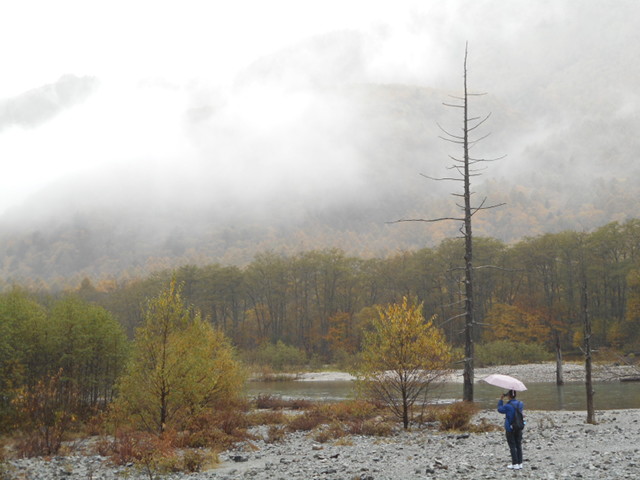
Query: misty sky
x=164, y=84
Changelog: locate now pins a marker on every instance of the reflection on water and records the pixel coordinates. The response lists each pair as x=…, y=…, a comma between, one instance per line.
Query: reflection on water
x=539, y=396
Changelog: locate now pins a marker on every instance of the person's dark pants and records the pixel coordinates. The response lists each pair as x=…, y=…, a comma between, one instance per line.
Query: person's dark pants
x=514, y=439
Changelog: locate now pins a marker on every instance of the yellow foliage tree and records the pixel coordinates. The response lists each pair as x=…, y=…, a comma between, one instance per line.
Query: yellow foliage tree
x=181, y=365
x=402, y=355
x=509, y=322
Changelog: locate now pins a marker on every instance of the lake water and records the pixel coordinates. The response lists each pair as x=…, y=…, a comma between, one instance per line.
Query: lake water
x=538, y=396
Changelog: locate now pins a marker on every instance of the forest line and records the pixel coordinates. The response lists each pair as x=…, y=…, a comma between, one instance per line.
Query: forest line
x=319, y=301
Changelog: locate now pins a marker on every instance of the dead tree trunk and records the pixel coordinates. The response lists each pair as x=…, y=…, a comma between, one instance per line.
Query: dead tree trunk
x=465, y=168
x=558, y=348
x=587, y=353
x=469, y=346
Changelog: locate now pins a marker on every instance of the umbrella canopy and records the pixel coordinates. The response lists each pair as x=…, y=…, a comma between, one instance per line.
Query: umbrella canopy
x=505, y=381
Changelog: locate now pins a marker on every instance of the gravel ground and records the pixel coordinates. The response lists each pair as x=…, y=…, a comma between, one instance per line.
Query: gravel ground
x=557, y=445
x=534, y=373
x=546, y=372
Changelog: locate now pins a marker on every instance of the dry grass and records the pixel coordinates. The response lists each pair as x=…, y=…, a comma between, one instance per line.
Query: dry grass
x=189, y=450
x=352, y=410
x=155, y=453
x=337, y=420
x=276, y=433
x=374, y=427
x=333, y=431
x=457, y=416
x=306, y=421
x=266, y=418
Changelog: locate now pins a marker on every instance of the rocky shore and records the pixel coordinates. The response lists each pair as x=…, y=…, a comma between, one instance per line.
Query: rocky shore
x=557, y=445
x=533, y=373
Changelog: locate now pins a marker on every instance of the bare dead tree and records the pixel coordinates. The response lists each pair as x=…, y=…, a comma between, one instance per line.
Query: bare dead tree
x=588, y=382
x=586, y=325
x=463, y=170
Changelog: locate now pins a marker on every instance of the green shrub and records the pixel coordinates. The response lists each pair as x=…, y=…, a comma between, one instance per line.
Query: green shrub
x=345, y=361
x=279, y=356
x=505, y=352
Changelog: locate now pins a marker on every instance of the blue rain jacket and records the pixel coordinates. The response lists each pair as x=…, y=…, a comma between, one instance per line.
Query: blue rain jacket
x=509, y=410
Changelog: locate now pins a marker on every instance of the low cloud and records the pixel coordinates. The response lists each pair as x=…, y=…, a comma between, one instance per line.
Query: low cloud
x=39, y=105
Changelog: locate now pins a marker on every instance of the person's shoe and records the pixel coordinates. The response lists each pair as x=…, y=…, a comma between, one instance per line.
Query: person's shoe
x=512, y=467
x=518, y=467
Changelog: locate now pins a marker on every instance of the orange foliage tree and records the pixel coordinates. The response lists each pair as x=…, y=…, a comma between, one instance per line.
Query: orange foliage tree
x=344, y=334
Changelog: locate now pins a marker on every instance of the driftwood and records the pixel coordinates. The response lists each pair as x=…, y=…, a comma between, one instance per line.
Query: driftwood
x=630, y=379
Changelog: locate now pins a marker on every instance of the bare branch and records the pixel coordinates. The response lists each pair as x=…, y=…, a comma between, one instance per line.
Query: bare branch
x=502, y=269
x=480, y=122
x=473, y=142
x=493, y=206
x=442, y=178
x=477, y=169
x=427, y=220
x=449, y=133
x=453, y=304
x=450, y=319
x=482, y=207
x=458, y=142
x=487, y=159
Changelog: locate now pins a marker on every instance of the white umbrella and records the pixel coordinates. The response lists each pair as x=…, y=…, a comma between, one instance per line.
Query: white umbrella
x=505, y=381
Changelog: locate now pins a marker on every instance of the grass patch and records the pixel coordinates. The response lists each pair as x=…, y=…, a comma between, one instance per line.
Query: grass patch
x=337, y=420
x=268, y=417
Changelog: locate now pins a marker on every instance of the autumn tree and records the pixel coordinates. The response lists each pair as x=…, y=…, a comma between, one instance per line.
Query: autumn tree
x=509, y=322
x=181, y=365
x=629, y=329
x=402, y=355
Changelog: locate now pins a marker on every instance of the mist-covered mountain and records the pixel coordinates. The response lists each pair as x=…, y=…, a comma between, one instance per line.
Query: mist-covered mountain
x=316, y=146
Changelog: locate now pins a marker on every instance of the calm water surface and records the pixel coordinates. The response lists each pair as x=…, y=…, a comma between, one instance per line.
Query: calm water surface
x=539, y=396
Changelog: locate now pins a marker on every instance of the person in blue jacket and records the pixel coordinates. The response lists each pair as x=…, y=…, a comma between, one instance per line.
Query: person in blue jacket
x=514, y=437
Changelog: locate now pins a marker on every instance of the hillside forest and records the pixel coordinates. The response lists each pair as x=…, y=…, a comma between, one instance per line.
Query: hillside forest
x=320, y=300
x=319, y=303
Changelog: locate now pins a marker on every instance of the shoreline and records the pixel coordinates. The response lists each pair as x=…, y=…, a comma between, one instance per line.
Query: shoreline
x=531, y=372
